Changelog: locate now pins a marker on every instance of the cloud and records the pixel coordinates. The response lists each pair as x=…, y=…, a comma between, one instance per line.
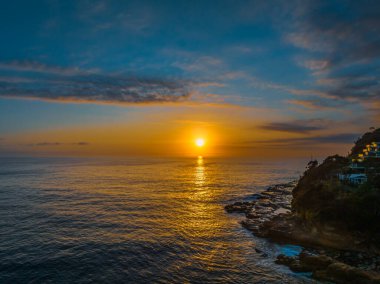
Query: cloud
x=128, y=17
x=208, y=84
x=9, y=79
x=199, y=64
x=343, y=43
x=341, y=138
x=38, y=67
x=75, y=85
x=314, y=64
x=49, y=144
x=316, y=104
x=297, y=126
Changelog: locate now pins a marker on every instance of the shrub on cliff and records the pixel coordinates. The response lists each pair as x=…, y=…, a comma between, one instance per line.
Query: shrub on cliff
x=318, y=190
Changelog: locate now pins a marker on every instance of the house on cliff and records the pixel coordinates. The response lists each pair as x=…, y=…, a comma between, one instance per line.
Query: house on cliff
x=362, y=164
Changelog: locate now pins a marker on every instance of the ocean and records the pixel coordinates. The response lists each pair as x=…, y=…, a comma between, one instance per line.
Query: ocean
x=110, y=220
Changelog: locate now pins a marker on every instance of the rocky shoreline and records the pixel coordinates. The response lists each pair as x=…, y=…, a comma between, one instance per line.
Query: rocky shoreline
x=330, y=255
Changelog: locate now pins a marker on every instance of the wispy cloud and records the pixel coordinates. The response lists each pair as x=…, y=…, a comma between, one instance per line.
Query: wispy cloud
x=199, y=64
x=102, y=16
x=317, y=104
x=52, y=144
x=343, y=43
x=38, y=67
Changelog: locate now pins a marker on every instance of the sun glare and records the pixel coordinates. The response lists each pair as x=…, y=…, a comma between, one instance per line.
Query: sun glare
x=200, y=142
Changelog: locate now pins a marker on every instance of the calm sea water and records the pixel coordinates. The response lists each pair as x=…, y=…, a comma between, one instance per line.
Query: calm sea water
x=135, y=221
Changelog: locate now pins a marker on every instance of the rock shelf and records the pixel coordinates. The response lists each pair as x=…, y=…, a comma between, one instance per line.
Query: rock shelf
x=325, y=254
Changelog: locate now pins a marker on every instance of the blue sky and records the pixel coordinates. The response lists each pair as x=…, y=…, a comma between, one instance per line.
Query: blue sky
x=312, y=64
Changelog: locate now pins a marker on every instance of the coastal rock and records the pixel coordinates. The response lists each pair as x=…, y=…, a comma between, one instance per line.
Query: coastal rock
x=249, y=225
x=281, y=211
x=270, y=216
x=256, y=196
x=315, y=262
x=293, y=263
x=342, y=273
x=327, y=269
x=239, y=207
x=269, y=193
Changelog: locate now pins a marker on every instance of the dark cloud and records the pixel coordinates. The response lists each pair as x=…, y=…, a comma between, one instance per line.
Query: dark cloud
x=298, y=126
x=342, y=138
x=60, y=144
x=74, y=85
x=343, y=40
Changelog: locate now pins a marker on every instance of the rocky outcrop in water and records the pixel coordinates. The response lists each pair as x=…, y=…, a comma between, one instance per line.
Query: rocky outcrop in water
x=328, y=269
x=269, y=203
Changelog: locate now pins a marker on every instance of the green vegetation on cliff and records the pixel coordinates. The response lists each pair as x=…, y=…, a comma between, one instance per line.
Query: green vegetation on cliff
x=321, y=197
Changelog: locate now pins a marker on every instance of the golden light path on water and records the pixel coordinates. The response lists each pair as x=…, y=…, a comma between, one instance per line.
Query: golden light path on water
x=134, y=220
x=200, y=178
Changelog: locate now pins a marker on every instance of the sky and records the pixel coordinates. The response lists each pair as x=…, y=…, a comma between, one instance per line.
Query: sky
x=126, y=78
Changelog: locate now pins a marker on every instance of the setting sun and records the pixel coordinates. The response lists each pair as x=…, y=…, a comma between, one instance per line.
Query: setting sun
x=200, y=142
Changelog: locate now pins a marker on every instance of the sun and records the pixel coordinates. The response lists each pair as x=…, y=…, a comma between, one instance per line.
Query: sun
x=200, y=142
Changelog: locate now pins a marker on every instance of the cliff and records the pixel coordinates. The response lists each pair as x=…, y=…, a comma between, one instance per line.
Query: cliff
x=321, y=198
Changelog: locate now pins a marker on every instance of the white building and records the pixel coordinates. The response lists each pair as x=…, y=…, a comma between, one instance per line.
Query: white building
x=358, y=177
x=353, y=178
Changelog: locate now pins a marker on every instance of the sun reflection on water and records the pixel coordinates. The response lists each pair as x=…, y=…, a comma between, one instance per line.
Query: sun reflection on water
x=200, y=178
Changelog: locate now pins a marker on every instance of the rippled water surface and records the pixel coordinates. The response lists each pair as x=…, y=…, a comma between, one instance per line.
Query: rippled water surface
x=134, y=221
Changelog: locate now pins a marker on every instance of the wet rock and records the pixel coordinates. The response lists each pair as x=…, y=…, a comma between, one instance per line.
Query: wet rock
x=281, y=211
x=256, y=196
x=327, y=269
x=284, y=260
x=315, y=262
x=249, y=225
x=239, y=207
x=269, y=193
x=342, y=273
x=252, y=215
x=292, y=262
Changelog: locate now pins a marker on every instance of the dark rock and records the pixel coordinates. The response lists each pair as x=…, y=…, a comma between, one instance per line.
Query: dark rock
x=297, y=266
x=292, y=262
x=257, y=196
x=239, y=207
x=269, y=193
x=284, y=260
x=343, y=273
x=315, y=262
x=249, y=225
x=252, y=215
